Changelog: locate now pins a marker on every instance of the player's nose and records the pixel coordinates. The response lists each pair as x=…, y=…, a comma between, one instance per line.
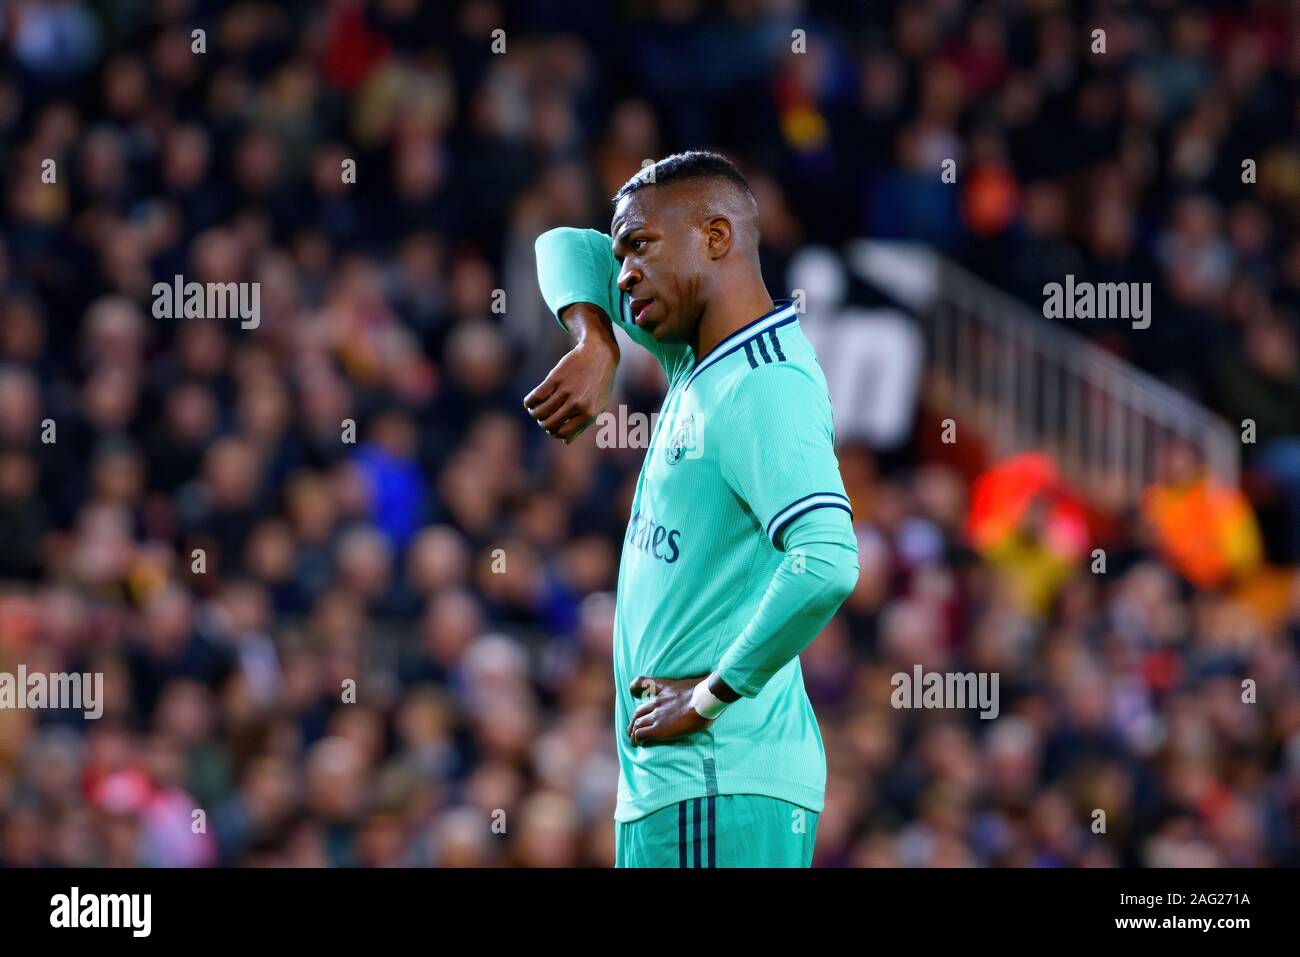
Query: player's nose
x=628, y=277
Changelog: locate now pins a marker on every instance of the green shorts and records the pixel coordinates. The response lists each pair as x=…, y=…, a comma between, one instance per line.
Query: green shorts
x=725, y=830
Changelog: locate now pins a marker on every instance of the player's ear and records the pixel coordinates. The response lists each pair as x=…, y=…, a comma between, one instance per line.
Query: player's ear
x=719, y=236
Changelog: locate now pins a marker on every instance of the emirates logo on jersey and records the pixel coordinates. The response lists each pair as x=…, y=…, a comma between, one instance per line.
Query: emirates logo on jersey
x=657, y=541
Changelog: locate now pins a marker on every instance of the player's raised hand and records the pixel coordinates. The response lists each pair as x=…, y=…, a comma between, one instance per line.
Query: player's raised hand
x=668, y=714
x=578, y=388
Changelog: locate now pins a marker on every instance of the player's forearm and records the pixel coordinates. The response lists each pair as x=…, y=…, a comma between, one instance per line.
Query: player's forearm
x=589, y=323
x=819, y=571
x=576, y=271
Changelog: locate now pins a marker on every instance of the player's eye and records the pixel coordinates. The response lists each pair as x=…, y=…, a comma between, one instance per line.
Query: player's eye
x=636, y=244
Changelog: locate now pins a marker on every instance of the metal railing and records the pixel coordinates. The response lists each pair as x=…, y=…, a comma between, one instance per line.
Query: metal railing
x=1027, y=383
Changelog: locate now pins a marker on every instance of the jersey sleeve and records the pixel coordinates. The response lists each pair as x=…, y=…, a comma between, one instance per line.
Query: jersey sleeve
x=812, y=581
x=578, y=265
x=778, y=447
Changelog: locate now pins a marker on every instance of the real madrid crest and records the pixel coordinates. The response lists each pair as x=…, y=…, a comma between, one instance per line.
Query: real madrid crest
x=683, y=439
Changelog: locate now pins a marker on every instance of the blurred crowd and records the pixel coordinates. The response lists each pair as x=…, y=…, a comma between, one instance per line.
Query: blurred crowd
x=396, y=650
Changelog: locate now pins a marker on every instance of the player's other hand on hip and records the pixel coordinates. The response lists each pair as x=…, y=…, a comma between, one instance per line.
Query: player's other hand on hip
x=668, y=713
x=578, y=388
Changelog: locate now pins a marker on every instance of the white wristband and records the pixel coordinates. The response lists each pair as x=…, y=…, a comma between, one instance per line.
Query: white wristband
x=705, y=702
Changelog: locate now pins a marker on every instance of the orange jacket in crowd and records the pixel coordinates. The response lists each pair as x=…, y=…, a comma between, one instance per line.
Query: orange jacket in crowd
x=1205, y=530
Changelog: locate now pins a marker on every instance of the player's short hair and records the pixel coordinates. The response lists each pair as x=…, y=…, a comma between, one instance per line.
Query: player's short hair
x=681, y=167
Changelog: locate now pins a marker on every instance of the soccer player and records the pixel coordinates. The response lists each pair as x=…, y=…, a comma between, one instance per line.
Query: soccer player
x=740, y=545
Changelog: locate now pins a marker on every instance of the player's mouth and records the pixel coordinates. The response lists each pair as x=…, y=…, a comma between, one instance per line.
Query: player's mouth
x=639, y=308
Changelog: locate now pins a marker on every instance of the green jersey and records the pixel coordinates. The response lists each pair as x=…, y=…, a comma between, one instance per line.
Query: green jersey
x=743, y=446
